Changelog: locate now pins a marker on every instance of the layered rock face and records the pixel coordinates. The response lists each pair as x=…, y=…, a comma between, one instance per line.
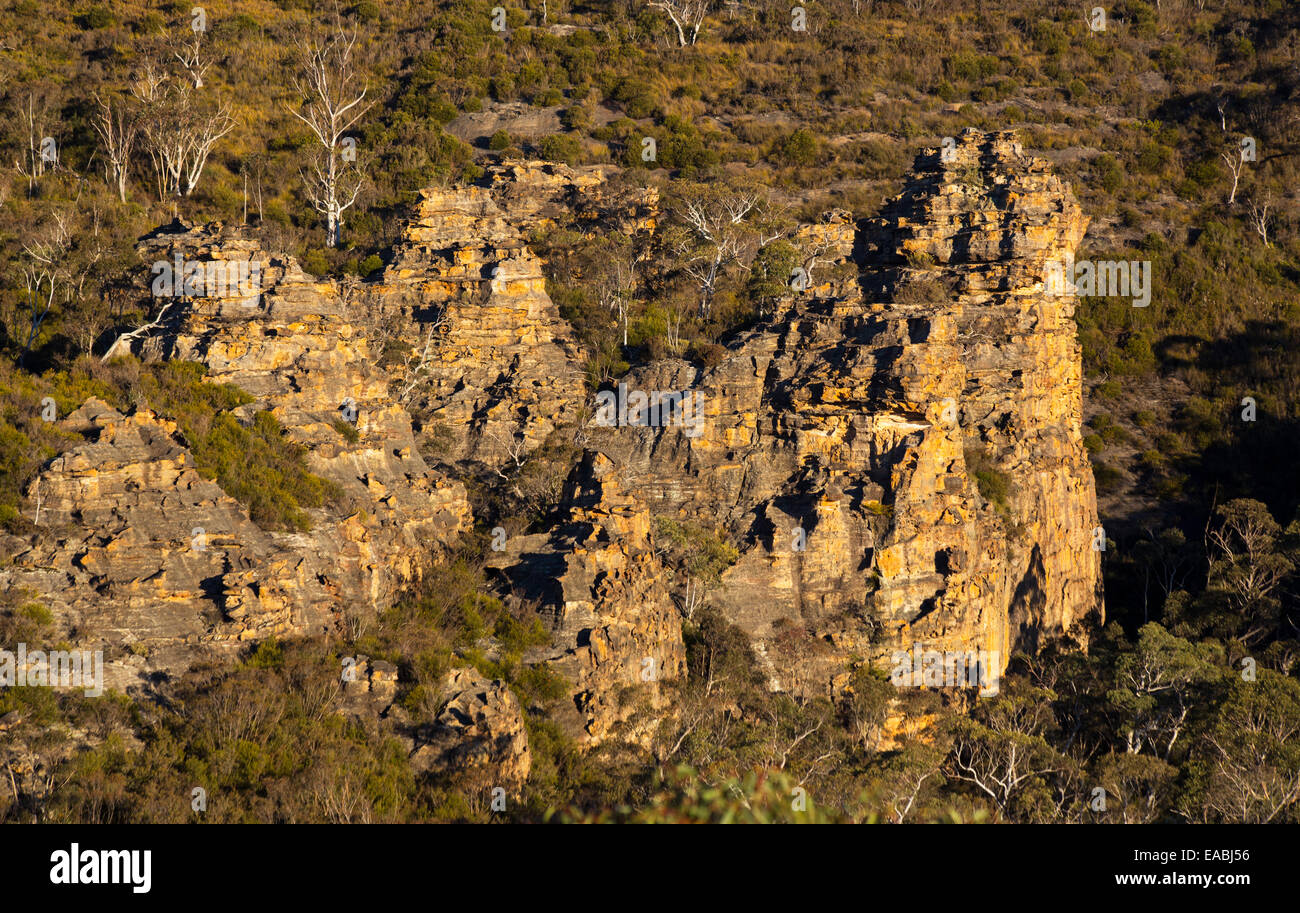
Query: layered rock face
x=140, y=550
x=494, y=371
x=599, y=584
x=480, y=730
x=992, y=218
x=896, y=451
x=845, y=443
x=493, y=368
x=300, y=350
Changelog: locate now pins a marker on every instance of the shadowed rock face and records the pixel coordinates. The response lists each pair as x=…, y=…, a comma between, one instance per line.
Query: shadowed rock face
x=604, y=591
x=848, y=424
x=480, y=731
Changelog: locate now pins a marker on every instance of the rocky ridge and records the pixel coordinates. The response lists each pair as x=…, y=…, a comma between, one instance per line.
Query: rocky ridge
x=140, y=552
x=896, y=451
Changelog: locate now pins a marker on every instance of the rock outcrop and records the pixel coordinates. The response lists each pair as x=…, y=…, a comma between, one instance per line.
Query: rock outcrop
x=301, y=349
x=895, y=452
x=493, y=369
x=480, y=732
x=138, y=549
x=143, y=554
x=899, y=453
x=367, y=690
x=598, y=582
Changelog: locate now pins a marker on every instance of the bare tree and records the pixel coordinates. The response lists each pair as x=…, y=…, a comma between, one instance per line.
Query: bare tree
x=149, y=83
x=718, y=236
x=191, y=57
x=906, y=790
x=205, y=130
x=178, y=133
x=417, y=363
x=691, y=599
x=331, y=106
x=812, y=249
x=904, y=779
x=1246, y=565
x=36, y=158
x=616, y=289
x=122, y=345
x=1235, y=166
x=673, y=330
x=45, y=273
x=687, y=16
x=515, y=450
x=255, y=166
x=791, y=724
x=117, y=129
x=1260, y=217
x=1000, y=765
x=149, y=89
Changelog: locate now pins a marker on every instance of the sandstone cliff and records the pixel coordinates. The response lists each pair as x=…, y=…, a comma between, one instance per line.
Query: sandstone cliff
x=845, y=440
x=603, y=590
x=140, y=553
x=493, y=369
x=895, y=452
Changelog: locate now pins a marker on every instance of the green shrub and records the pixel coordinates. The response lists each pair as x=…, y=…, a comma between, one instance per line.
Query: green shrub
x=256, y=465
x=502, y=88
x=799, y=148
x=548, y=98
x=703, y=553
x=315, y=262
x=1107, y=478
x=770, y=273
x=1050, y=38
x=559, y=147
x=576, y=117
x=347, y=431
x=993, y=484
x=970, y=67
x=97, y=17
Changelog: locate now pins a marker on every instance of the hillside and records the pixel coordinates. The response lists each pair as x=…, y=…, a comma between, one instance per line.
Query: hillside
x=885, y=399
